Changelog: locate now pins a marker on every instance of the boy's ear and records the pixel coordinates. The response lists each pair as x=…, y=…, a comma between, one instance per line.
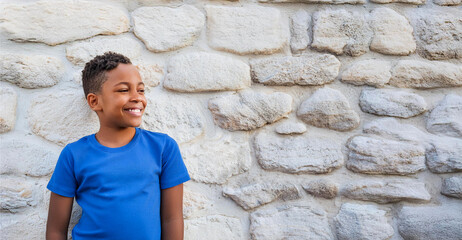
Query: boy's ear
x=93, y=101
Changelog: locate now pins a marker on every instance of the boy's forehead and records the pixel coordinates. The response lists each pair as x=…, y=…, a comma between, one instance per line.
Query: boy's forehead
x=123, y=73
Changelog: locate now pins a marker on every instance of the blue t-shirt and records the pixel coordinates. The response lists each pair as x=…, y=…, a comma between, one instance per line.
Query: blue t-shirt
x=119, y=188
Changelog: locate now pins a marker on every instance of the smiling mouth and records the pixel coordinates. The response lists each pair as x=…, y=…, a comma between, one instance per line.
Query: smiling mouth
x=136, y=110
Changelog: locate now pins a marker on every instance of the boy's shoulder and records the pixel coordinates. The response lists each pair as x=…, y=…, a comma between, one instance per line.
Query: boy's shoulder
x=152, y=135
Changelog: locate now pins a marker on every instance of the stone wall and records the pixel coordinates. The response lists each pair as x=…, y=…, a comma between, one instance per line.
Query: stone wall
x=297, y=119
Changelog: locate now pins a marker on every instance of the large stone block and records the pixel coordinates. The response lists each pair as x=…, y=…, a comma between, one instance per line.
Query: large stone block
x=297, y=154
x=256, y=194
x=193, y=202
x=31, y=71
x=9, y=100
x=425, y=74
x=219, y=227
x=393, y=103
x=392, y=33
x=386, y=191
x=328, y=108
x=290, y=222
x=371, y=72
x=356, y=221
x=245, y=30
x=184, y=23
x=16, y=194
x=174, y=115
x=438, y=32
x=392, y=129
x=249, y=109
x=430, y=222
x=300, y=28
x=341, y=32
x=314, y=70
x=24, y=157
x=214, y=161
x=80, y=53
x=55, y=22
x=452, y=187
x=444, y=155
x=446, y=117
x=62, y=116
x=201, y=71
x=382, y=156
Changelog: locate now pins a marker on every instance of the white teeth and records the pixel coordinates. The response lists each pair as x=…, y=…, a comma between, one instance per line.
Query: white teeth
x=134, y=110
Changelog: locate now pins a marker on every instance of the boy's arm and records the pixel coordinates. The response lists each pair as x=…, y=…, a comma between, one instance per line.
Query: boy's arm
x=171, y=213
x=59, y=214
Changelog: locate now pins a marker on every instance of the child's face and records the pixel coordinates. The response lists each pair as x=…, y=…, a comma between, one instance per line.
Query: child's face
x=122, y=99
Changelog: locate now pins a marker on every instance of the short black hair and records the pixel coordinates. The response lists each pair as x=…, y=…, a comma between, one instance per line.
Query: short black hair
x=94, y=73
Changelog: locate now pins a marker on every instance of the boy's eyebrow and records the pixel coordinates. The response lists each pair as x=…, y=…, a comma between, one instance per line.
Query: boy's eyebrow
x=127, y=83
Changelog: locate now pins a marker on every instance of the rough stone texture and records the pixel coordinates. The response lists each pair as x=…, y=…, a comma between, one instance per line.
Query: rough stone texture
x=8, y=98
x=290, y=222
x=446, y=117
x=20, y=156
x=63, y=124
x=219, y=227
x=245, y=30
x=37, y=21
x=391, y=102
x=80, y=53
x=30, y=226
x=254, y=195
x=392, y=33
x=425, y=74
x=321, y=188
x=184, y=23
x=416, y=2
x=151, y=74
x=16, y=194
x=31, y=71
x=314, y=70
x=249, y=109
x=177, y=116
x=341, y=32
x=355, y=221
x=201, y=71
x=445, y=155
x=438, y=33
x=316, y=1
x=447, y=2
x=297, y=154
x=386, y=191
x=214, y=161
x=300, y=30
x=328, y=108
x=382, y=156
x=452, y=187
x=193, y=202
x=390, y=128
x=433, y=222
x=293, y=127
x=370, y=72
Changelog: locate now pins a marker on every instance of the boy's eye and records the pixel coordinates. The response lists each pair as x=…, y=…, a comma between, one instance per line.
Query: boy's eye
x=141, y=90
x=122, y=90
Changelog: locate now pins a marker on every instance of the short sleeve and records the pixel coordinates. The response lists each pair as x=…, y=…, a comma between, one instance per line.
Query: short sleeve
x=174, y=171
x=63, y=180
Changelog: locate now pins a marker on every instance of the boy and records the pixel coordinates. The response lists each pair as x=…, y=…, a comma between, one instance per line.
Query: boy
x=128, y=181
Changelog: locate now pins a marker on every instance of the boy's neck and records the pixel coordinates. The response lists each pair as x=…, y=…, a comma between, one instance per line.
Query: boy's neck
x=115, y=137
